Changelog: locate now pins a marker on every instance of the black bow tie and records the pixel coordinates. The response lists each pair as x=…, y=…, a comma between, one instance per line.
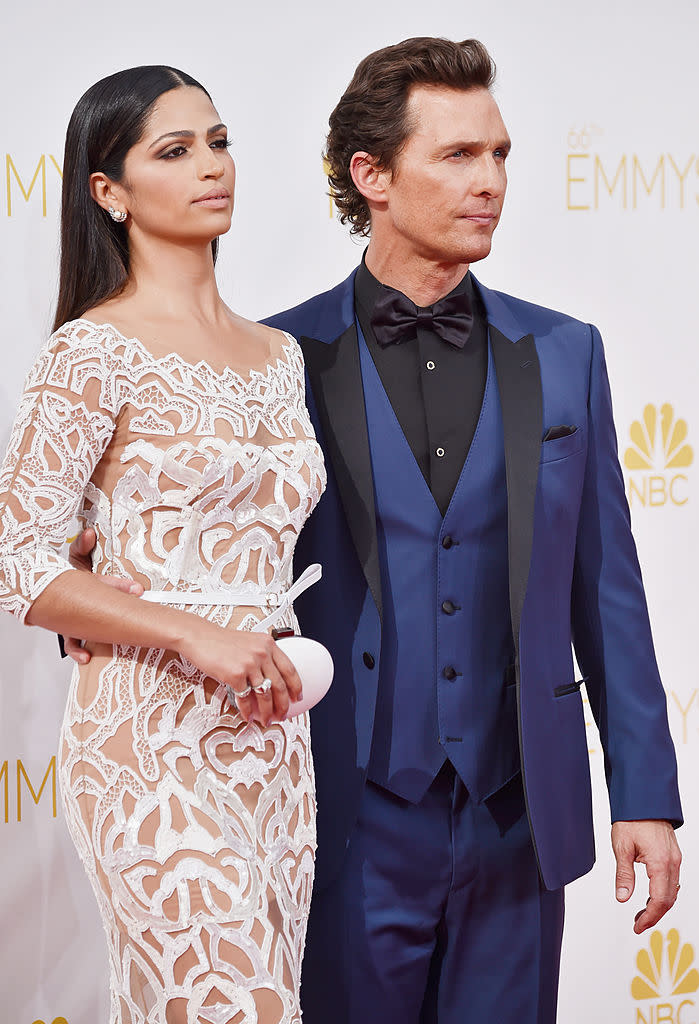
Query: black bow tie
x=395, y=318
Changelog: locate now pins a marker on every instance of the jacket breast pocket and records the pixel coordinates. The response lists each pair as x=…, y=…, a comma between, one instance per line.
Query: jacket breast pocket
x=562, y=447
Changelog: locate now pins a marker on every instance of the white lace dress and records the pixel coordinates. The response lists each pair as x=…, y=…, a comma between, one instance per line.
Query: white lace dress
x=197, y=830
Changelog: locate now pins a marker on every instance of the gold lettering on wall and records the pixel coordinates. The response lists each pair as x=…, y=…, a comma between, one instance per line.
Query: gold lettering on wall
x=25, y=786
x=684, y=710
x=14, y=180
x=599, y=179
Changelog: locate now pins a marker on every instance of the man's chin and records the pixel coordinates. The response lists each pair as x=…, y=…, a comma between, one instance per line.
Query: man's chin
x=458, y=250
x=469, y=254
x=469, y=250
x=478, y=248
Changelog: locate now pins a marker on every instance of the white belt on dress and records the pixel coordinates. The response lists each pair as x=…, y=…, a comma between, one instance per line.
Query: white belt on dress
x=256, y=597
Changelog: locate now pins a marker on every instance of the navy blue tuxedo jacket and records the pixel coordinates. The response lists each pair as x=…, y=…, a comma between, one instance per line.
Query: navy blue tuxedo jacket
x=574, y=577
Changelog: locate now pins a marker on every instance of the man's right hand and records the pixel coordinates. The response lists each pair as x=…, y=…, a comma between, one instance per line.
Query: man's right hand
x=79, y=555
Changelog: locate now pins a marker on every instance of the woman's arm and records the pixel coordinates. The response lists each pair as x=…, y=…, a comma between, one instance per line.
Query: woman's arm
x=79, y=554
x=73, y=396
x=80, y=604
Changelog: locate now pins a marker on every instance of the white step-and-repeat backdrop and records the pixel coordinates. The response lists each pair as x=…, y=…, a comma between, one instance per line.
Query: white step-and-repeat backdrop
x=602, y=221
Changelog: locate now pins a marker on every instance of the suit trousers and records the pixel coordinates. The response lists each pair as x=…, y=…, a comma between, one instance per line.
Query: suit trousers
x=437, y=917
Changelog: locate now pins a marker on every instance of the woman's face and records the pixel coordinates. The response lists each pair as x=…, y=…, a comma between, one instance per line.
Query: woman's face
x=179, y=179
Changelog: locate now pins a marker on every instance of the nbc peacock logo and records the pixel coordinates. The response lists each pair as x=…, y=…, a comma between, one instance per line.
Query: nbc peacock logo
x=657, y=451
x=666, y=979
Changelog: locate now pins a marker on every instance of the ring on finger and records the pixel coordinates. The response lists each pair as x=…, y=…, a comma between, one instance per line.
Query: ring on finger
x=264, y=687
x=239, y=694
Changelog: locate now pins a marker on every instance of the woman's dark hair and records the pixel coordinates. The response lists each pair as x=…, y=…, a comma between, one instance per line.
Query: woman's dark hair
x=107, y=121
x=372, y=116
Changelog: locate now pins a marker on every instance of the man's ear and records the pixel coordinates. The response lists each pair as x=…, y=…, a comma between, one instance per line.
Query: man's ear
x=369, y=178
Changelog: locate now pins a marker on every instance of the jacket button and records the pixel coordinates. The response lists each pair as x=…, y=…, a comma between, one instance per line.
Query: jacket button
x=368, y=659
x=450, y=673
x=447, y=542
x=448, y=607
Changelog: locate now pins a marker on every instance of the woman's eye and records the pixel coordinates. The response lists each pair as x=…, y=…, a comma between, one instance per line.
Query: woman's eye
x=221, y=143
x=176, y=151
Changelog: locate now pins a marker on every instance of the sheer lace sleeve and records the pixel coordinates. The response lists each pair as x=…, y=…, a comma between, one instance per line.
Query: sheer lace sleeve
x=65, y=421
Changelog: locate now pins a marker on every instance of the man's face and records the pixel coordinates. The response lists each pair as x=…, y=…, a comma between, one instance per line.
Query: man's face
x=446, y=192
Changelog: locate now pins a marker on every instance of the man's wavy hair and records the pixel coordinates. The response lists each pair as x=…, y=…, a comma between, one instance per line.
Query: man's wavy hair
x=372, y=116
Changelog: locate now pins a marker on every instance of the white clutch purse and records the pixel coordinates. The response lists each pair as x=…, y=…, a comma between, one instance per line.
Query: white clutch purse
x=310, y=658
x=314, y=665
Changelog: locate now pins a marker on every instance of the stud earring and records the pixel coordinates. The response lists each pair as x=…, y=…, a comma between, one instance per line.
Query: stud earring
x=118, y=216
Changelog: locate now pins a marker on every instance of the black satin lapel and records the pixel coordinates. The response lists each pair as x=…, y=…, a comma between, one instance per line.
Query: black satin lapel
x=521, y=400
x=336, y=381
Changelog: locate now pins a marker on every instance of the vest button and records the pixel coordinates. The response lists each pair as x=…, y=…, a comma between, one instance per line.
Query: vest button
x=368, y=659
x=448, y=607
x=450, y=673
x=447, y=542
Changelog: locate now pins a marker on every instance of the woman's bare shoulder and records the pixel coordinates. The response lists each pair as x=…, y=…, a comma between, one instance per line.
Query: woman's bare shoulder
x=269, y=340
x=118, y=313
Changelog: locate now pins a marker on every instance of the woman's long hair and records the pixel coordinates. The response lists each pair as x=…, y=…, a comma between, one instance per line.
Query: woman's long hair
x=107, y=121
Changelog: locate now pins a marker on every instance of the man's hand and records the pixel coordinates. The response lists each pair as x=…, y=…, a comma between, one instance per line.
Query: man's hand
x=652, y=843
x=79, y=555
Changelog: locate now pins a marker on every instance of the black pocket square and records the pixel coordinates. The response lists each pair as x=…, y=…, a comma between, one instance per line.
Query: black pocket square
x=563, y=430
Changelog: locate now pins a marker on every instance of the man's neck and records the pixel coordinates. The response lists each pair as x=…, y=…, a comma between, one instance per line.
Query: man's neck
x=424, y=281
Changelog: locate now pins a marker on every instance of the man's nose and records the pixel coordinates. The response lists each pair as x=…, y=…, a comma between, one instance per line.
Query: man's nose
x=491, y=177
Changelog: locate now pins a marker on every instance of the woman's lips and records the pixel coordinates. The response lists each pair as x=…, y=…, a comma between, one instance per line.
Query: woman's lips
x=217, y=199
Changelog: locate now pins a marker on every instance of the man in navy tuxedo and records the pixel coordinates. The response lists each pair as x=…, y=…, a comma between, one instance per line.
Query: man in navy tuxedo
x=473, y=525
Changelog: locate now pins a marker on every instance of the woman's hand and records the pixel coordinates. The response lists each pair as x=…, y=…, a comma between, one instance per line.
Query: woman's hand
x=241, y=659
x=235, y=657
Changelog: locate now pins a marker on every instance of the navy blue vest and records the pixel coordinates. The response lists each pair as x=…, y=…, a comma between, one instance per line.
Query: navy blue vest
x=443, y=688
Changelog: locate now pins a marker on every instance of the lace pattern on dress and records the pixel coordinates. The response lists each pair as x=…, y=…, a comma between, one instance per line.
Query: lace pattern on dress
x=197, y=830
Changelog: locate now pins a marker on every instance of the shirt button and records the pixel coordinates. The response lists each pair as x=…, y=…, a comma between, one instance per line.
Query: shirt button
x=447, y=542
x=448, y=607
x=368, y=659
x=439, y=453
x=450, y=673
x=430, y=364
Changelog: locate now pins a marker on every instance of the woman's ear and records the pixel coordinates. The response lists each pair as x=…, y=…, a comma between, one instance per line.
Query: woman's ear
x=104, y=192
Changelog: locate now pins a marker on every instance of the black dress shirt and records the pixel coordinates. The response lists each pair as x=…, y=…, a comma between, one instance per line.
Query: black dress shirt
x=435, y=389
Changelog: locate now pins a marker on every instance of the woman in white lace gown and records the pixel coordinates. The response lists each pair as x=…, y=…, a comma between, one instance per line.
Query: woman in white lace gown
x=178, y=431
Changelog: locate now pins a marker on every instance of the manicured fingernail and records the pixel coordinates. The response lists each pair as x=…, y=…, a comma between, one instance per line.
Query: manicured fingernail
x=622, y=894
x=134, y=588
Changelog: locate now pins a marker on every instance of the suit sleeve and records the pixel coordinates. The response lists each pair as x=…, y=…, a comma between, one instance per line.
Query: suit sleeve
x=611, y=630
